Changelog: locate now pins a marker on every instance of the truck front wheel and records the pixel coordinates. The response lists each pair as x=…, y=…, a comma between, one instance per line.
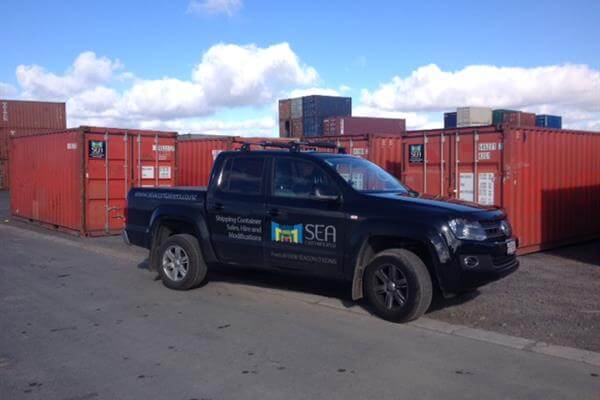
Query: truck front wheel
x=398, y=285
x=180, y=262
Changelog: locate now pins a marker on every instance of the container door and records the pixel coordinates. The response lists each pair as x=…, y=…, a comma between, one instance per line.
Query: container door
x=426, y=167
x=153, y=161
x=107, y=182
x=476, y=167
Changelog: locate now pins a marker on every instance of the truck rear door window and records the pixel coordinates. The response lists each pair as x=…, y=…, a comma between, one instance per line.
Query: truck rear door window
x=243, y=175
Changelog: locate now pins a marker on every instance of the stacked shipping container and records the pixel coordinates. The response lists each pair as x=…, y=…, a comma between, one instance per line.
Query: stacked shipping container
x=362, y=125
x=306, y=114
x=78, y=179
x=548, y=121
x=25, y=117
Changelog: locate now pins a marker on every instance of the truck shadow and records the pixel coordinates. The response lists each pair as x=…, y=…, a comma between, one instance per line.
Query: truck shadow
x=284, y=280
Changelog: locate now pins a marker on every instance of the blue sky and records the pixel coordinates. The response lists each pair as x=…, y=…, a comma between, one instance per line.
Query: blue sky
x=395, y=58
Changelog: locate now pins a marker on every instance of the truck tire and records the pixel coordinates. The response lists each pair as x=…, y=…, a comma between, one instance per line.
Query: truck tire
x=180, y=263
x=397, y=285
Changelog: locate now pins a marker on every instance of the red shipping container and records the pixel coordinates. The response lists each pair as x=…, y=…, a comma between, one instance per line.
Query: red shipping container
x=77, y=179
x=196, y=156
x=7, y=133
x=383, y=150
x=32, y=114
x=518, y=118
x=547, y=180
x=285, y=109
x=297, y=128
x=363, y=125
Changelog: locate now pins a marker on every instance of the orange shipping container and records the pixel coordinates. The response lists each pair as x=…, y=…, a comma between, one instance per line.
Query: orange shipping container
x=78, y=179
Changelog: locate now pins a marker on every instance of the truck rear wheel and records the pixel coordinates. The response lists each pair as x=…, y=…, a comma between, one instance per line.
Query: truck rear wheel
x=180, y=263
x=398, y=285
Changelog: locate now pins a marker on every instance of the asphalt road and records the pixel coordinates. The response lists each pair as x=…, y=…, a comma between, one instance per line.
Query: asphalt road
x=82, y=324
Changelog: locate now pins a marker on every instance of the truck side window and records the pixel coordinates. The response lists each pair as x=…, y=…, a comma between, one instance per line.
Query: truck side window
x=242, y=175
x=301, y=179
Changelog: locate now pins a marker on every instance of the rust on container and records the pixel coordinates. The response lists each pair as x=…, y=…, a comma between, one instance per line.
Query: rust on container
x=78, y=179
x=32, y=114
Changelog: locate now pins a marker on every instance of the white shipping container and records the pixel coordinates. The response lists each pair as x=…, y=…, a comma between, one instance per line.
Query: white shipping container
x=297, y=108
x=473, y=116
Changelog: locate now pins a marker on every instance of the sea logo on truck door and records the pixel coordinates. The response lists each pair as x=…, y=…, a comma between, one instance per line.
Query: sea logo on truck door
x=286, y=233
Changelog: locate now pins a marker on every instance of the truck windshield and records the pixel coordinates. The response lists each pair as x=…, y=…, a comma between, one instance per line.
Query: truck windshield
x=365, y=176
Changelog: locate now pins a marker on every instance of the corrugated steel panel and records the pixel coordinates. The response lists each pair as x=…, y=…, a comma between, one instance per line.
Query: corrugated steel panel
x=498, y=116
x=4, y=178
x=473, y=116
x=195, y=157
x=548, y=121
x=548, y=181
x=285, y=109
x=78, y=179
x=32, y=114
x=296, y=108
x=297, y=128
x=363, y=125
x=7, y=133
x=518, y=118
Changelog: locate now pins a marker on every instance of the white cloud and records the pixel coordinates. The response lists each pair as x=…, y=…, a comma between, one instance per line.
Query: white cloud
x=430, y=88
x=228, y=76
x=564, y=88
x=215, y=7
x=7, y=90
x=87, y=71
x=248, y=127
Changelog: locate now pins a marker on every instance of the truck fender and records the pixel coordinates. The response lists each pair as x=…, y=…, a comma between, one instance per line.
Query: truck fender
x=366, y=253
x=181, y=214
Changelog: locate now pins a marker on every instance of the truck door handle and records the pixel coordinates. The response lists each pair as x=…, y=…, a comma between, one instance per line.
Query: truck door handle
x=218, y=207
x=273, y=212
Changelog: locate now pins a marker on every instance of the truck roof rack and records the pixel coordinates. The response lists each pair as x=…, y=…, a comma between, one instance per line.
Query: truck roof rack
x=294, y=146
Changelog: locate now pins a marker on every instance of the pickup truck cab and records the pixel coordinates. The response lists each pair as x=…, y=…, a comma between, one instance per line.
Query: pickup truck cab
x=326, y=214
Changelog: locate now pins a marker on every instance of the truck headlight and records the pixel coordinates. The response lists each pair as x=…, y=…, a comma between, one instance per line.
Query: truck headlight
x=467, y=230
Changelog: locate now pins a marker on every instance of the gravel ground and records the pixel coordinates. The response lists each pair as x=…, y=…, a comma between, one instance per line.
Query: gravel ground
x=553, y=297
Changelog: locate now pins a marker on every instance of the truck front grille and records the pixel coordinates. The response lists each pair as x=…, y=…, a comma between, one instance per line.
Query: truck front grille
x=493, y=229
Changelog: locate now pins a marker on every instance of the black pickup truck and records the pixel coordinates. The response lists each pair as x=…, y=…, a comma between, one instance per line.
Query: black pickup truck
x=327, y=214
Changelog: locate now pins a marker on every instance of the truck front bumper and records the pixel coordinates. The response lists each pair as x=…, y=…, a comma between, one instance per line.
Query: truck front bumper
x=475, y=264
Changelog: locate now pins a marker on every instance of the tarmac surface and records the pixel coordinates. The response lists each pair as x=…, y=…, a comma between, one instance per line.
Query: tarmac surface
x=83, y=320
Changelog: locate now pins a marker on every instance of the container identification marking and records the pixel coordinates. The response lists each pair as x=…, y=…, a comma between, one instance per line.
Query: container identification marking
x=486, y=189
x=466, y=186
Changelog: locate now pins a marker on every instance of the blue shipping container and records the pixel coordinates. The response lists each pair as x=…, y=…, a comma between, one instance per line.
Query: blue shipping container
x=450, y=120
x=548, y=121
x=316, y=108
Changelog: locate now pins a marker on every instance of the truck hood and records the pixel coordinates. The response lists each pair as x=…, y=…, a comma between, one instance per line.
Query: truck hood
x=443, y=205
